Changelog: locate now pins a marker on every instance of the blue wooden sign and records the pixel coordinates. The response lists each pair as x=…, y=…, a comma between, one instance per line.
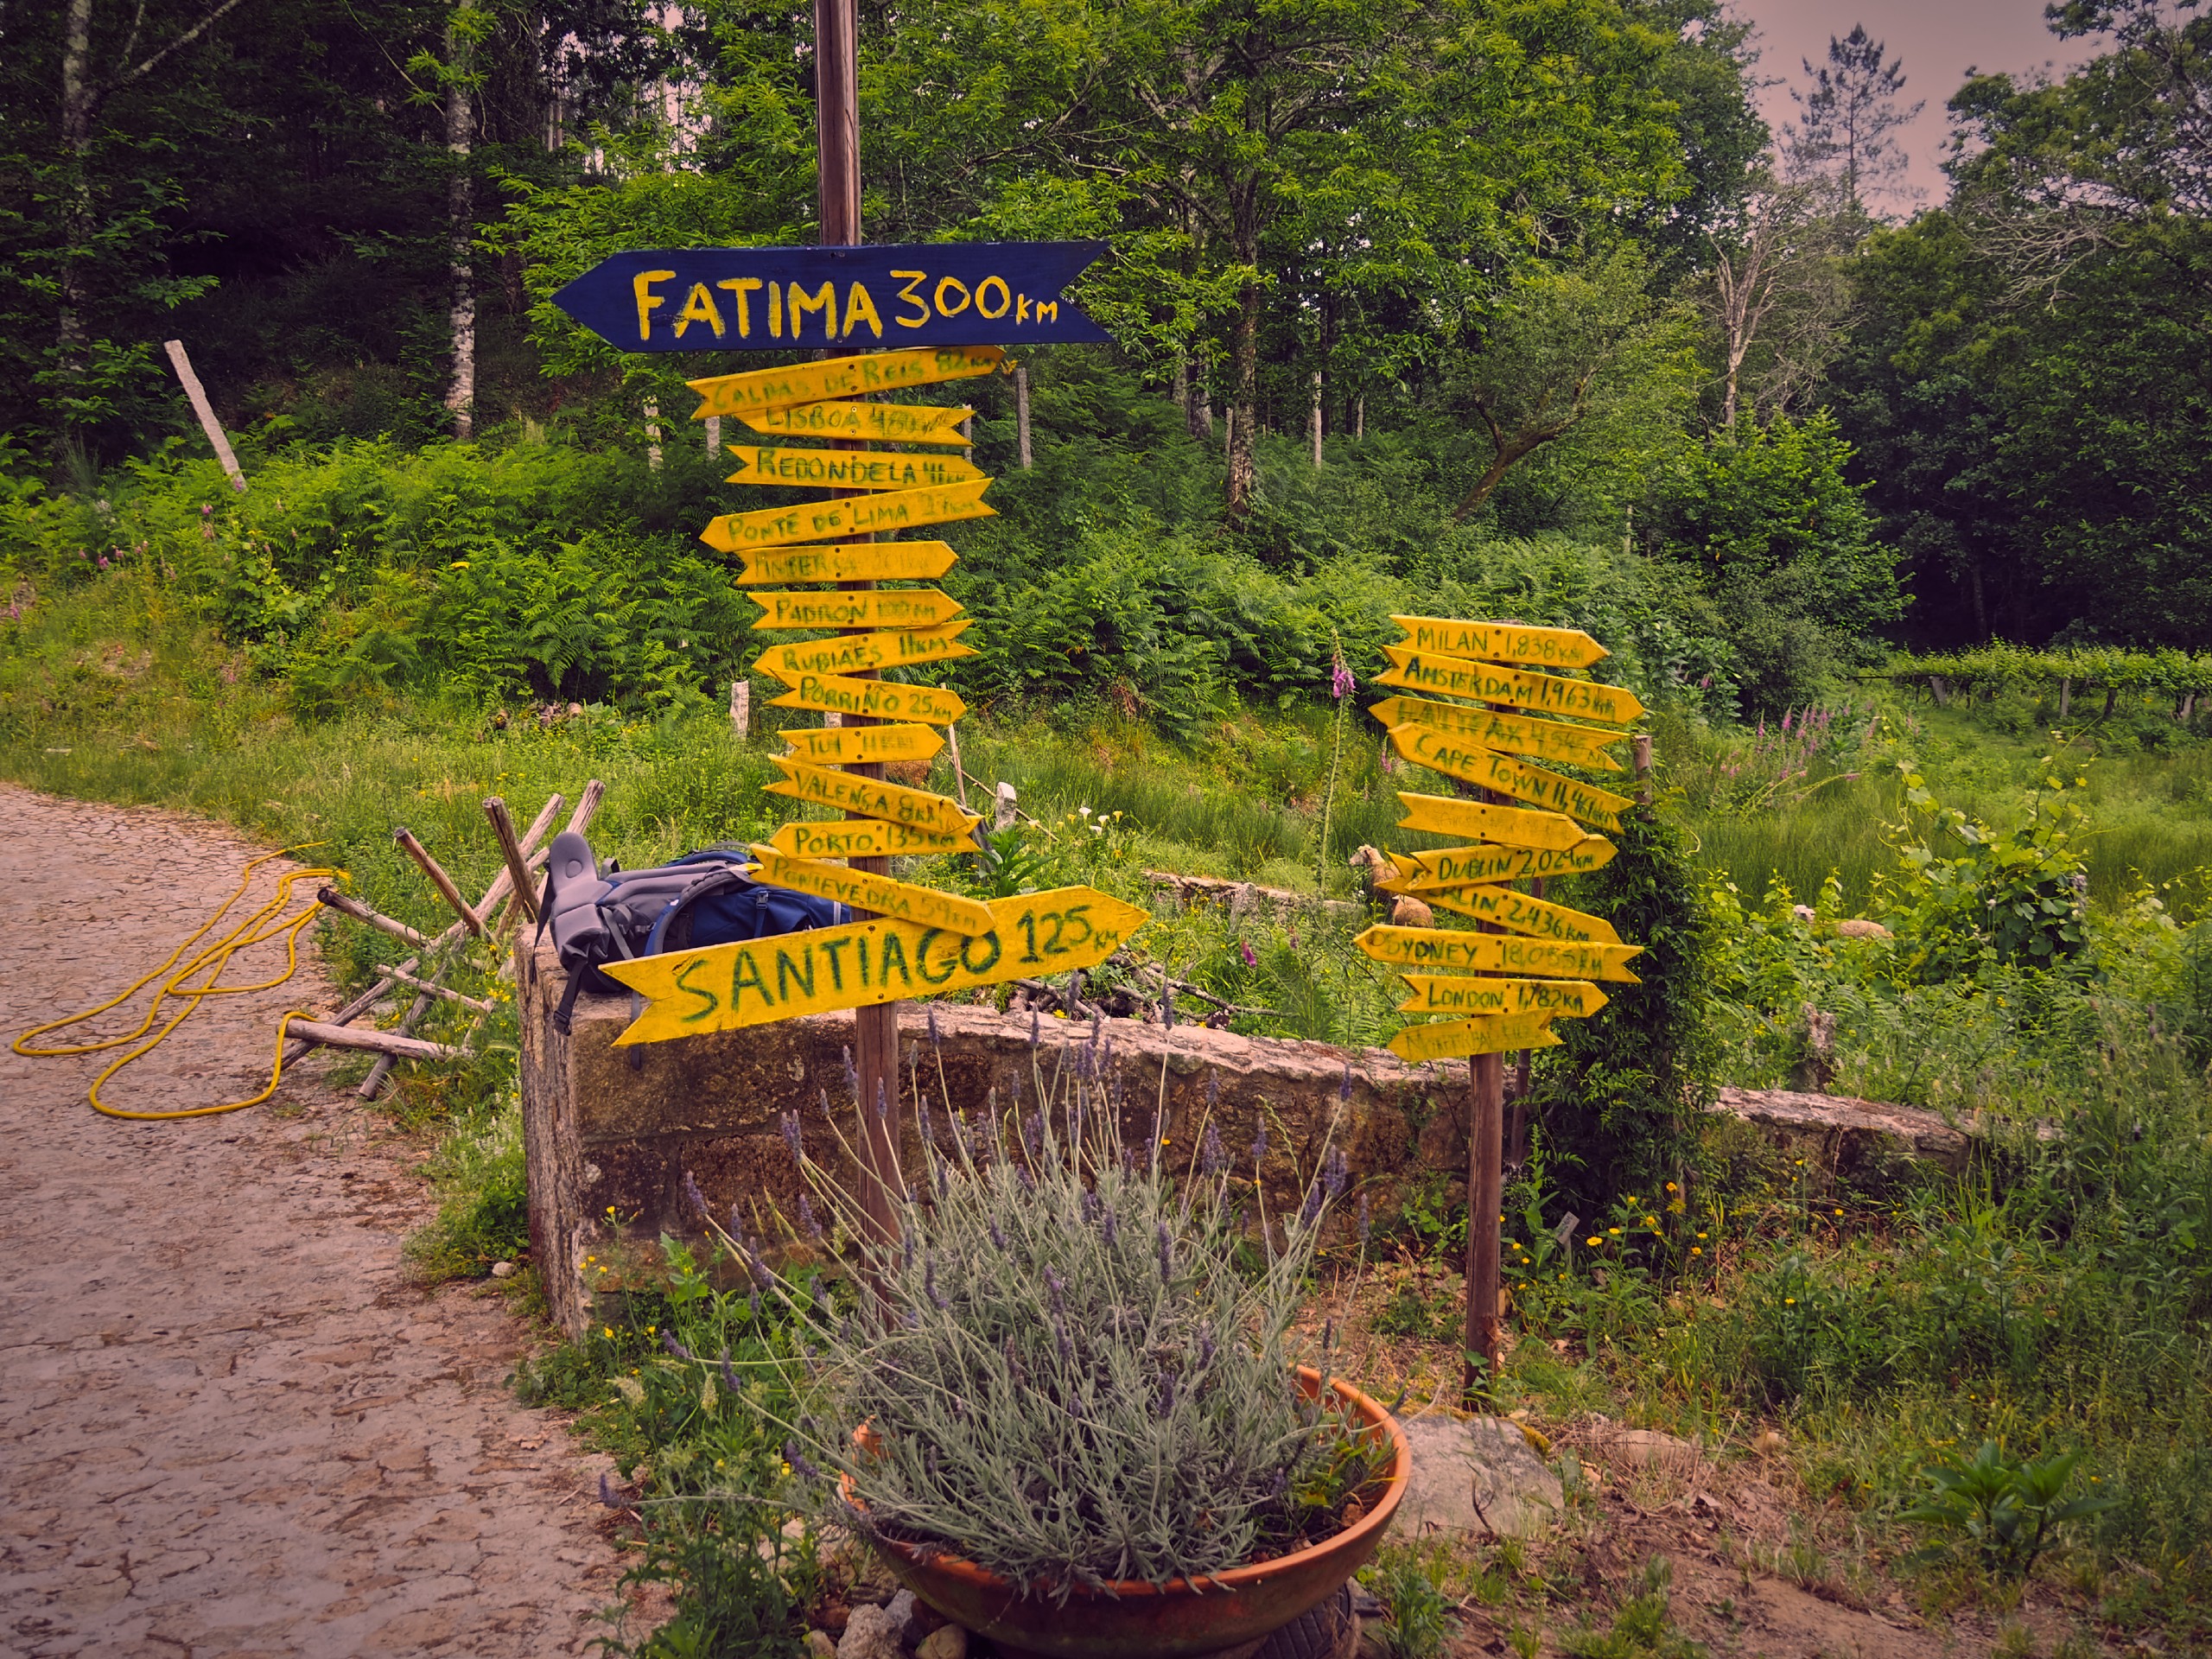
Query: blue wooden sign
x=780, y=299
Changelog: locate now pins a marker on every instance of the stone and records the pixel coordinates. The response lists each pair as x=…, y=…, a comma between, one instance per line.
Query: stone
x=1647, y=1448
x=1477, y=1477
x=901, y=1607
x=502, y=1269
x=1858, y=927
x=871, y=1633
x=820, y=1644
x=946, y=1641
x=1870, y=1143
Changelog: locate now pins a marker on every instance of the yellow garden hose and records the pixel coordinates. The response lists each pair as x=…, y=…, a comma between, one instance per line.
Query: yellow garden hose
x=265, y=923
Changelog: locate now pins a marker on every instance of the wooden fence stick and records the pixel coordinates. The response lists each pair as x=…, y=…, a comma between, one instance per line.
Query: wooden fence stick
x=205, y=411
x=503, y=829
x=402, y=976
x=386, y=1043
x=439, y=878
x=360, y=912
x=587, y=808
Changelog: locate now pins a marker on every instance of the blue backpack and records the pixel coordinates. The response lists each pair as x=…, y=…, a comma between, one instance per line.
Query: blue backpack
x=704, y=898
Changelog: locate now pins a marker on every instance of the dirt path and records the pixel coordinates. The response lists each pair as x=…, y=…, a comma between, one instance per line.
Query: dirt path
x=231, y=1425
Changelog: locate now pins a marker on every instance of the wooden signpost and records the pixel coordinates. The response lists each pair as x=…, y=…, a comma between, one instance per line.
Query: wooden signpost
x=927, y=315
x=1546, y=957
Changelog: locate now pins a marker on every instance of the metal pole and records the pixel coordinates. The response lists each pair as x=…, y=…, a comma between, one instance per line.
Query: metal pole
x=837, y=154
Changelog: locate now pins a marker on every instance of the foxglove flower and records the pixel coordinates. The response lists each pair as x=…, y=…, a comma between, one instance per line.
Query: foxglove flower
x=1251, y=958
x=1341, y=683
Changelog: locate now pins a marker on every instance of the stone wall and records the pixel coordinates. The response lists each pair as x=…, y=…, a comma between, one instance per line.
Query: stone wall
x=611, y=1132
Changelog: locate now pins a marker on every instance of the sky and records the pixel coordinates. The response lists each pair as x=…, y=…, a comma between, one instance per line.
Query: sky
x=1939, y=42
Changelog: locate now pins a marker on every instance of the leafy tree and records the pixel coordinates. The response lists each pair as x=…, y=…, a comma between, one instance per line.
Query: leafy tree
x=1582, y=351
x=1848, y=116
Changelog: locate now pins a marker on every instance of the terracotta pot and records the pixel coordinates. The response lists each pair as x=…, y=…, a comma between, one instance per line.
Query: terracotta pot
x=1228, y=1616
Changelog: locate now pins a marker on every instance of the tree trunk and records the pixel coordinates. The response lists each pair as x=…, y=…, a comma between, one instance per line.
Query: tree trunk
x=1317, y=420
x=1980, y=604
x=461, y=230
x=1244, y=420
x=77, y=101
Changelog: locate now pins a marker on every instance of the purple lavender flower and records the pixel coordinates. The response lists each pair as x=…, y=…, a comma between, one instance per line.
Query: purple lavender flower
x=1088, y=1205
x=1110, y=1229
x=807, y=1218
x=1033, y=1134
x=800, y=1465
x=882, y=1105
x=1213, y=1089
x=998, y=1233
x=852, y=1075
x=1212, y=1159
x=908, y=1240
x=1014, y=1368
x=933, y=1038
x=824, y=1096
x=729, y=1371
x=1334, y=1175
x=753, y=1303
x=1054, y=1287
x=929, y=1283
x=1166, y=1392
x=1311, y=1207
x=1260, y=1144
x=1344, y=1088
x=1060, y=1335
x=668, y=1341
x=1167, y=1007
x=695, y=1198
x=1036, y=1028
x=1166, y=1244
x=1366, y=1226
x=928, y=1124
x=789, y=1122
x=1278, y=1487
x=1205, y=1350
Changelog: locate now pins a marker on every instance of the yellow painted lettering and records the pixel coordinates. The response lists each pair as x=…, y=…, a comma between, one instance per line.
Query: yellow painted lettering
x=699, y=307
x=922, y=958
x=860, y=308
x=684, y=984
x=641, y=285
x=824, y=301
x=741, y=286
x=1022, y=307
x=775, y=311
x=945, y=310
x=1006, y=297
x=907, y=293
x=988, y=963
x=1047, y=311
x=789, y=973
x=744, y=976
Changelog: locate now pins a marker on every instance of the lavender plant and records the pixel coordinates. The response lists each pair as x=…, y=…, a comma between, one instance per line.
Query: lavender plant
x=1066, y=1379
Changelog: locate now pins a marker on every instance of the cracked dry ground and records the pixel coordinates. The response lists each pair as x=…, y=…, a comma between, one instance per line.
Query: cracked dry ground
x=232, y=1424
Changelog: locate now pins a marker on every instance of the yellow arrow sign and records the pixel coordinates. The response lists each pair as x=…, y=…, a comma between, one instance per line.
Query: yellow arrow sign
x=1459, y=866
x=1455, y=676
x=1574, y=746
x=1497, y=953
x=1452, y=994
x=846, y=469
x=877, y=699
x=864, y=838
x=858, y=746
x=863, y=515
x=902, y=901
x=857, y=652
x=849, y=562
x=1502, y=642
x=1518, y=912
x=890, y=423
x=1514, y=826
x=1458, y=758
x=872, y=798
x=727, y=987
x=884, y=607
x=840, y=376
x=1494, y=1034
